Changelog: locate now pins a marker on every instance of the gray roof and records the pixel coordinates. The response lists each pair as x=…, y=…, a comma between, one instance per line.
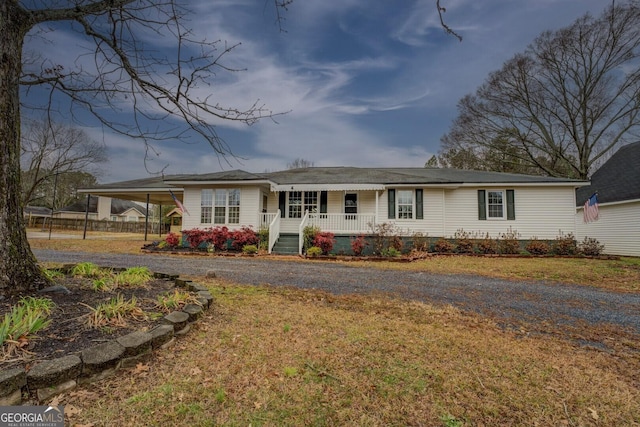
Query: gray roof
x=353, y=175
x=233, y=175
x=618, y=179
x=37, y=210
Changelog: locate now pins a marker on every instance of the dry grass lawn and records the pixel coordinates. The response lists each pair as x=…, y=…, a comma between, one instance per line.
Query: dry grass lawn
x=284, y=357
x=278, y=357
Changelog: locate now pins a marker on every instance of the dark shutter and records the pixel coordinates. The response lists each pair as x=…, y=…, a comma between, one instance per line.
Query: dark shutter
x=323, y=202
x=482, y=205
x=419, y=208
x=511, y=206
x=391, y=202
x=282, y=203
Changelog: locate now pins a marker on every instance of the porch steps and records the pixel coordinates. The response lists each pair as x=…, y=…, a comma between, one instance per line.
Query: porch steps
x=287, y=244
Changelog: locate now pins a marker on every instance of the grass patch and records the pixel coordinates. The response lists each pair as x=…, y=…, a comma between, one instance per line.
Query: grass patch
x=175, y=300
x=620, y=275
x=362, y=360
x=26, y=318
x=114, y=312
x=133, y=277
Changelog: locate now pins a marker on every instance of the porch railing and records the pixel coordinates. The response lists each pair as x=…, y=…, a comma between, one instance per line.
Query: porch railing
x=264, y=219
x=342, y=223
x=274, y=230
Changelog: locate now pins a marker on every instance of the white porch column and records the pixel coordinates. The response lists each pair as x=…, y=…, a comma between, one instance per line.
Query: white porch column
x=377, y=219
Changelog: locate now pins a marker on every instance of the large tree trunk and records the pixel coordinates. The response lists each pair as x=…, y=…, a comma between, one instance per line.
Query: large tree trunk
x=19, y=272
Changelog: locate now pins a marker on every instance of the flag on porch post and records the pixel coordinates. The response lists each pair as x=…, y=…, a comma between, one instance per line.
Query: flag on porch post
x=591, y=209
x=179, y=204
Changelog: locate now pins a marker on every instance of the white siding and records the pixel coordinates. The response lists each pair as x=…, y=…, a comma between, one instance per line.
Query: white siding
x=618, y=228
x=541, y=212
x=249, y=207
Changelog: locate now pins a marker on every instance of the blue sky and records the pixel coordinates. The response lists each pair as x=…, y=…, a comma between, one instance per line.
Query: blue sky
x=365, y=83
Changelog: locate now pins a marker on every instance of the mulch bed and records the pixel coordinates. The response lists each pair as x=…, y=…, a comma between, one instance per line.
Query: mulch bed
x=68, y=332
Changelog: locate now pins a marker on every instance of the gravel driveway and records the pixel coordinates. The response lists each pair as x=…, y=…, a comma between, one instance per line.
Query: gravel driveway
x=509, y=302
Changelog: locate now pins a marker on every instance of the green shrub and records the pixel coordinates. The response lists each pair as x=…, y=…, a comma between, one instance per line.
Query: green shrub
x=263, y=237
x=565, y=245
x=536, y=247
x=308, y=235
x=443, y=246
x=391, y=252
x=314, y=251
x=250, y=249
x=590, y=247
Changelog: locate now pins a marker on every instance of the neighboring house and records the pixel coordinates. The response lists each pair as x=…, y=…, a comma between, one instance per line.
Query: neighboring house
x=104, y=209
x=617, y=184
x=349, y=201
x=36, y=215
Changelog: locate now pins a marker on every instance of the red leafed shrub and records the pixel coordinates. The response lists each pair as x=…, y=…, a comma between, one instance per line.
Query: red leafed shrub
x=172, y=239
x=358, y=244
x=216, y=237
x=324, y=240
x=243, y=237
x=195, y=236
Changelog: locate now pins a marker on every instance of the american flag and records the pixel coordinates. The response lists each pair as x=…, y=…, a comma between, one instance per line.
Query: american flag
x=591, y=209
x=179, y=204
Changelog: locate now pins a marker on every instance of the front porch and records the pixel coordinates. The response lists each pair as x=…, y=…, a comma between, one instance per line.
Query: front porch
x=344, y=224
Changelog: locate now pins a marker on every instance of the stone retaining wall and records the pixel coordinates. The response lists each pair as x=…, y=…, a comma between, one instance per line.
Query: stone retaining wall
x=51, y=377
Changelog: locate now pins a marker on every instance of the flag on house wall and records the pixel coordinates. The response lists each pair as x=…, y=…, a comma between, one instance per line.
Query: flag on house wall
x=179, y=204
x=591, y=209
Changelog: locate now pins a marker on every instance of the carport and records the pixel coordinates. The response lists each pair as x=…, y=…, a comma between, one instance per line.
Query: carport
x=146, y=190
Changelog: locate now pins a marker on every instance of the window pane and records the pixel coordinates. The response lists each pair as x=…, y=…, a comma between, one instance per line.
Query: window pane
x=206, y=197
x=405, y=204
x=219, y=215
x=221, y=197
x=311, y=201
x=495, y=205
x=205, y=215
x=234, y=215
x=234, y=197
x=405, y=197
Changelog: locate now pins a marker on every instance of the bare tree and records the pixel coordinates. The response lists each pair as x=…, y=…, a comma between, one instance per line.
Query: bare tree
x=161, y=94
x=563, y=104
x=300, y=163
x=50, y=149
